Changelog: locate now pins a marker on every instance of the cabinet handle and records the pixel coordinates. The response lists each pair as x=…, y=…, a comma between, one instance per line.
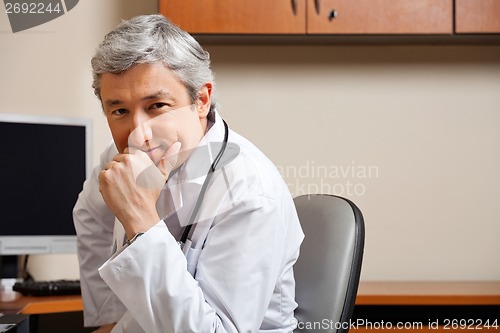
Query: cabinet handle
x=294, y=7
x=316, y=5
x=333, y=14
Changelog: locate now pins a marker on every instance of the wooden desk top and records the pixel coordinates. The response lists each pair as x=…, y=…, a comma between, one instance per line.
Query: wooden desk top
x=369, y=293
x=14, y=302
x=429, y=293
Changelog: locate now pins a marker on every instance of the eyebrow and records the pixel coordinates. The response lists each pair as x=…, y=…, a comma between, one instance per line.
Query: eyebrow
x=158, y=94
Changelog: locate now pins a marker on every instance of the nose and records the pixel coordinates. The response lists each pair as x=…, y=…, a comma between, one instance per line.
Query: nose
x=141, y=131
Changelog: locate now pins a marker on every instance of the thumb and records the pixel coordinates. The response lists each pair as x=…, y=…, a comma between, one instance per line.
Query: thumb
x=168, y=162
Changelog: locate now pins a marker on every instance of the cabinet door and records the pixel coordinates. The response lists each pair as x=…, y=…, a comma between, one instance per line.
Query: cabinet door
x=477, y=16
x=380, y=16
x=237, y=16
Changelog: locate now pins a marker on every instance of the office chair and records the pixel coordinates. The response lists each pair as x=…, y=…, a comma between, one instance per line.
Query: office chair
x=328, y=269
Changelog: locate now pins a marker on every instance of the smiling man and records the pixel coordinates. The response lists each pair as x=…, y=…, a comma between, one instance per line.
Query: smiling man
x=184, y=226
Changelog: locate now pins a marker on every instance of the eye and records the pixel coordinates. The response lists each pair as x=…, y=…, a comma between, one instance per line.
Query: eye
x=157, y=105
x=118, y=112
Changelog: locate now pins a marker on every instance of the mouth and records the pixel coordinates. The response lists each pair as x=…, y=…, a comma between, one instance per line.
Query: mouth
x=155, y=153
x=150, y=149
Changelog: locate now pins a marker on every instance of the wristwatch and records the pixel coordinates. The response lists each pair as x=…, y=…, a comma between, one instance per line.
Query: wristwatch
x=130, y=241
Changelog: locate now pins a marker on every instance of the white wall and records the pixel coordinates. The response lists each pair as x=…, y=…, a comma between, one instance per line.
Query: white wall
x=415, y=129
x=410, y=133
x=46, y=70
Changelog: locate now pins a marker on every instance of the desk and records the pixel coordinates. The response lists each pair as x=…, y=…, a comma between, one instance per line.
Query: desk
x=429, y=293
x=428, y=302
x=433, y=296
x=14, y=302
x=51, y=314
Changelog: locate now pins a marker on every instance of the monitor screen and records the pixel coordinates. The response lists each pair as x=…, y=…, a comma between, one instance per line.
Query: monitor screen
x=45, y=161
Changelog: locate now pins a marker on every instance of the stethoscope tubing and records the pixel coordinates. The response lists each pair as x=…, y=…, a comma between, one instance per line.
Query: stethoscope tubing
x=199, y=201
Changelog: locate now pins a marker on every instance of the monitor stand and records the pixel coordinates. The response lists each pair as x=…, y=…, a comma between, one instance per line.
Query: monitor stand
x=9, y=272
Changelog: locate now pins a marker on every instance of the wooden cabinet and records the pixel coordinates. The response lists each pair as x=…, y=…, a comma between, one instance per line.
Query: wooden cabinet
x=380, y=17
x=237, y=16
x=477, y=16
x=334, y=17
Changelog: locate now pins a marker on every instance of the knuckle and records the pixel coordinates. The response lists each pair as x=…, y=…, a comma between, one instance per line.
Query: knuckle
x=127, y=159
x=103, y=177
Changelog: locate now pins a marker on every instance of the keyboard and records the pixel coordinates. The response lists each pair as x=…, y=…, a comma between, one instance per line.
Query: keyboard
x=48, y=288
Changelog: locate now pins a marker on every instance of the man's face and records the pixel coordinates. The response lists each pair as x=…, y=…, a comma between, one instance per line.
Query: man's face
x=148, y=108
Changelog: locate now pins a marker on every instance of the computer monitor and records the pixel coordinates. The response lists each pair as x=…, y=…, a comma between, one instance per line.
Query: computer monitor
x=44, y=162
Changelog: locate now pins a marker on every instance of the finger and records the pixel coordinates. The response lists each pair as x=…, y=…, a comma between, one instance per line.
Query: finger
x=127, y=154
x=121, y=156
x=169, y=161
x=100, y=178
x=131, y=150
x=110, y=164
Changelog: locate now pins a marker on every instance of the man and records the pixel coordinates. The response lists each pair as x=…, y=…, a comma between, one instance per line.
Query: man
x=175, y=163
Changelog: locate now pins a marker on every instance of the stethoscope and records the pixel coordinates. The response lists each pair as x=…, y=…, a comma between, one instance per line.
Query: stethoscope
x=184, y=242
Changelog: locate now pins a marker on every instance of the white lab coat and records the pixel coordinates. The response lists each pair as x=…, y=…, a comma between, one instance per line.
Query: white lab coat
x=237, y=276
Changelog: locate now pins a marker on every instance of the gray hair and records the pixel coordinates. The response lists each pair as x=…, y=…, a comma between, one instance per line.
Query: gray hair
x=150, y=39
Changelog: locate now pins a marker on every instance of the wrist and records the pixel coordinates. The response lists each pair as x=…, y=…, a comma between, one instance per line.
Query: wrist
x=139, y=224
x=134, y=238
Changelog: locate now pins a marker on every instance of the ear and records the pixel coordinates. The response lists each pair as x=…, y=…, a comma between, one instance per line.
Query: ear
x=204, y=100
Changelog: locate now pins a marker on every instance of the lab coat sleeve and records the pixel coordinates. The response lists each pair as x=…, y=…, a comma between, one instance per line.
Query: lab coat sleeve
x=236, y=274
x=94, y=226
